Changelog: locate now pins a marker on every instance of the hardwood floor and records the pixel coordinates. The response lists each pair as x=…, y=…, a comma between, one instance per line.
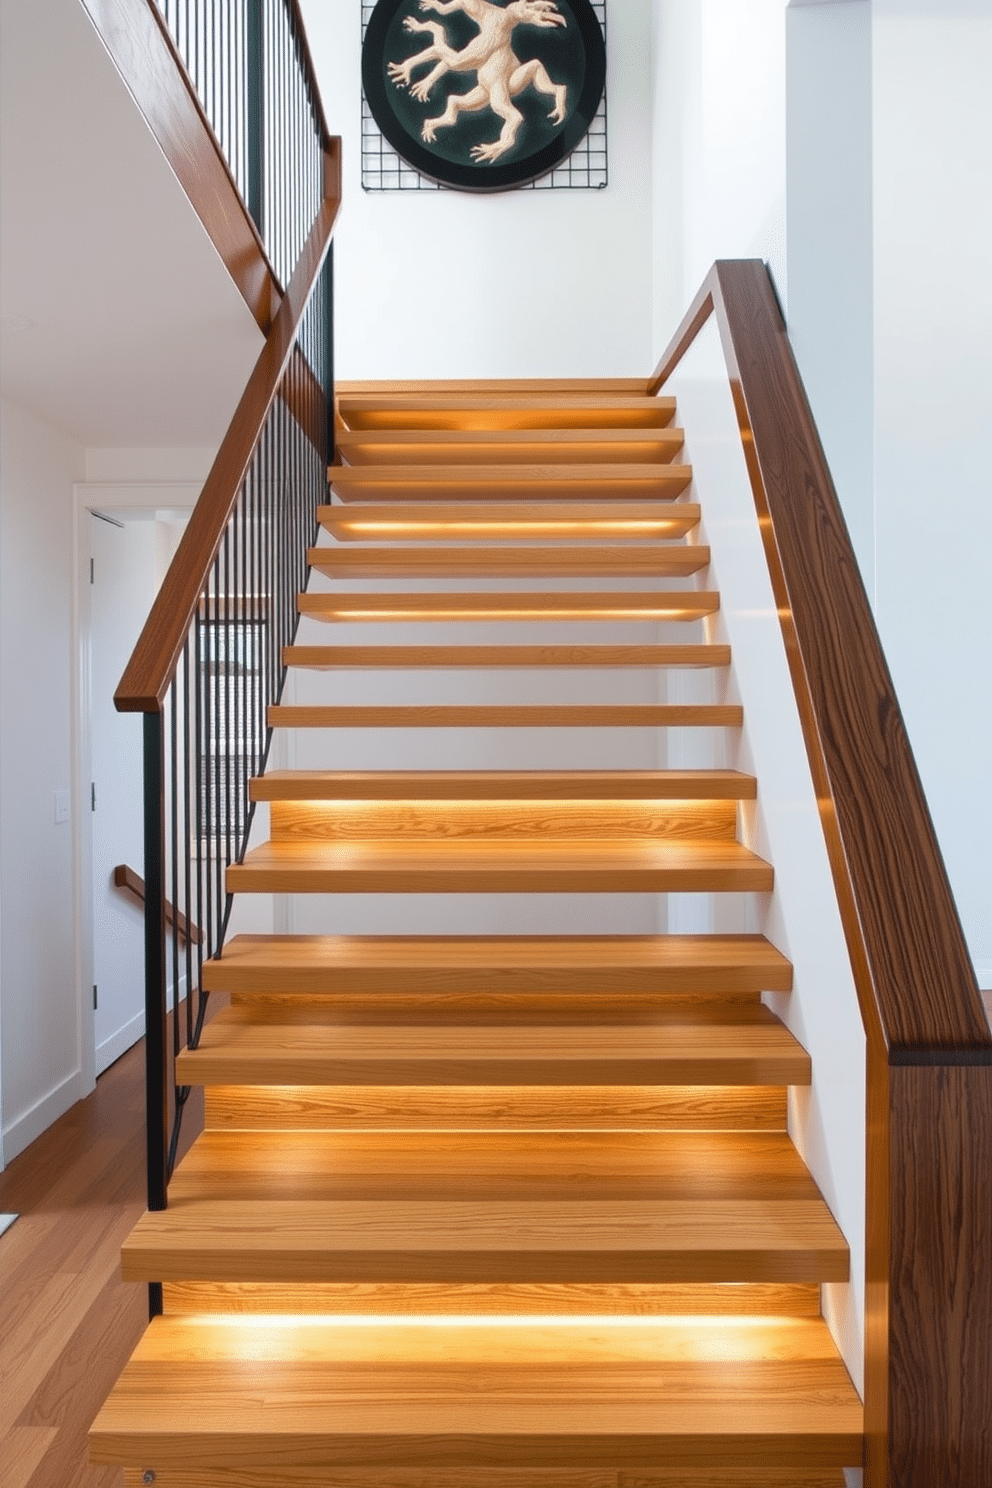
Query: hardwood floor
x=67, y=1322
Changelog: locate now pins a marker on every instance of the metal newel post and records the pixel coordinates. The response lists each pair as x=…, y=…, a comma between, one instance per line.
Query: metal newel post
x=156, y=1015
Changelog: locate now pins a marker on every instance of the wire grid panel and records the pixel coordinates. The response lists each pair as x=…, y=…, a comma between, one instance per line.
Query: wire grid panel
x=584, y=170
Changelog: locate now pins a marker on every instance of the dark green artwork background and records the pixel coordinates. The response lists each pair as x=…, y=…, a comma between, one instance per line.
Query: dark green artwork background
x=561, y=49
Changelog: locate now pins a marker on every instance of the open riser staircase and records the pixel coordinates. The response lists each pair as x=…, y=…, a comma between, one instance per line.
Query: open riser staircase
x=474, y=1206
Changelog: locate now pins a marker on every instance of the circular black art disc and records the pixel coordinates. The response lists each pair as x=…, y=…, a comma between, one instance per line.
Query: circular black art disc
x=483, y=94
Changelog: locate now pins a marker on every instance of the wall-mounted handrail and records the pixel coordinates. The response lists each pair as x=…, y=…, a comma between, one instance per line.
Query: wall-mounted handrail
x=132, y=883
x=152, y=665
x=928, y=1346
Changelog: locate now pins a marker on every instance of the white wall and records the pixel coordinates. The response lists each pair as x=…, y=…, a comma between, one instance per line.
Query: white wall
x=719, y=145
x=829, y=198
x=526, y=283
x=931, y=66
x=39, y=1006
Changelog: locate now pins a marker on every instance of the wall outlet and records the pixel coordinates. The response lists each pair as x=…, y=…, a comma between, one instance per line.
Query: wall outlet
x=61, y=807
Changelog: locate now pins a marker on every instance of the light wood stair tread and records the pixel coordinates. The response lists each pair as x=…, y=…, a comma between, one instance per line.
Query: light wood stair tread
x=494, y=1167
x=220, y=1238
x=377, y=387
x=508, y=715
x=506, y=446
x=502, y=785
x=667, y=561
x=608, y=1396
x=509, y=658
x=470, y=866
x=494, y=410
x=238, y=1049
x=580, y=521
x=611, y=606
x=429, y=964
x=553, y=482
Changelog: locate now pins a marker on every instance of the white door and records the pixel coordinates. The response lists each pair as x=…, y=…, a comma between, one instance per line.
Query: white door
x=124, y=580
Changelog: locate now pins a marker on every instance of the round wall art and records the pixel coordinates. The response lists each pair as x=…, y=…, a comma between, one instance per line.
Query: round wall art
x=483, y=96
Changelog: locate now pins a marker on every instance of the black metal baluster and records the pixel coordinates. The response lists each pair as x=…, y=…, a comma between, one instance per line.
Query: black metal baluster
x=256, y=100
x=156, y=1021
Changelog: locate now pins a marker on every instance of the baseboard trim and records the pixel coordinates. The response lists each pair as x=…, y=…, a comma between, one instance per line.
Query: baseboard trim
x=112, y=1048
x=27, y=1127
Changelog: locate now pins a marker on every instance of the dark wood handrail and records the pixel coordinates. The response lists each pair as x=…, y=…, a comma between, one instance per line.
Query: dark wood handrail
x=132, y=883
x=928, y=1275
x=149, y=673
x=914, y=975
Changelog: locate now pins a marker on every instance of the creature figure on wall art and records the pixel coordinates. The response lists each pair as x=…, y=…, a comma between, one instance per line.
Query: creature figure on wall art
x=500, y=75
x=490, y=59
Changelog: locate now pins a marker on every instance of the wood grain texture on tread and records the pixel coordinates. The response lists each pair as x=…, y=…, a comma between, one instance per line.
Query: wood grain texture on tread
x=503, y=785
x=509, y=658
x=626, y=867
x=581, y=964
x=502, y=1108
x=288, y=1477
x=504, y=411
x=771, y=1393
x=616, y=605
x=579, y=521
x=515, y=481
x=236, y=1049
x=585, y=1240
x=507, y=446
x=617, y=560
x=509, y=715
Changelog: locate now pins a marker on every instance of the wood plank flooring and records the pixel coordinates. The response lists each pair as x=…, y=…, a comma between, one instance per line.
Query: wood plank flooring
x=68, y=1323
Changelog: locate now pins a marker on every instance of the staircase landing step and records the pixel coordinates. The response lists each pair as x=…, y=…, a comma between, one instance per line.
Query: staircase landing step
x=239, y=1048
x=504, y=867
x=669, y=1395
x=365, y=966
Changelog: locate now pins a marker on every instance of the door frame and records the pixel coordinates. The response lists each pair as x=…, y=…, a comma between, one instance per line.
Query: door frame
x=121, y=500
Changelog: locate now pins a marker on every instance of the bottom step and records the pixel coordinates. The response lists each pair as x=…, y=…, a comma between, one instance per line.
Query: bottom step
x=671, y=1395
x=471, y=1478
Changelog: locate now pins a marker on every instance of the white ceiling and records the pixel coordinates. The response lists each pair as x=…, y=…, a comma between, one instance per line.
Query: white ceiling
x=119, y=322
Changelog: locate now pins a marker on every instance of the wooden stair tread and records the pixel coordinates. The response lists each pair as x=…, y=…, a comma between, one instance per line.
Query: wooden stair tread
x=471, y=866
x=237, y=1049
x=495, y=410
x=578, y=520
x=506, y=446
x=502, y=785
x=429, y=964
x=378, y=387
x=613, y=605
x=771, y=1392
x=508, y=715
x=510, y=658
x=662, y=561
x=497, y=1240
x=554, y=482
x=494, y=1167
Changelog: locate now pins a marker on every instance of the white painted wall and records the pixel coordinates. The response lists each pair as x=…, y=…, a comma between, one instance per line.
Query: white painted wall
x=39, y=1006
x=831, y=275
x=526, y=283
x=931, y=65
x=719, y=145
